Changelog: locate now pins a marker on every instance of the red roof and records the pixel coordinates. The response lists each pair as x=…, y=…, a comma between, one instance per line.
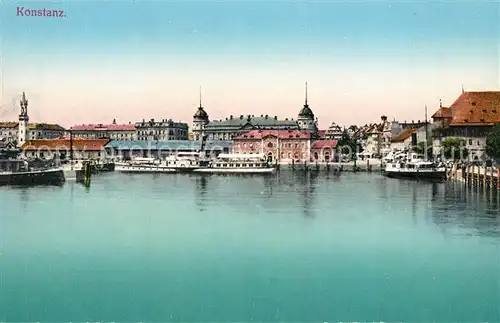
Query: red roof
x=281, y=134
x=104, y=127
x=325, y=144
x=443, y=112
x=476, y=108
x=321, y=133
x=404, y=135
x=64, y=144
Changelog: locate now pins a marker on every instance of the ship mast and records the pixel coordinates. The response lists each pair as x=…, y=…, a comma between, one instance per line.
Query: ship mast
x=426, y=133
x=70, y=145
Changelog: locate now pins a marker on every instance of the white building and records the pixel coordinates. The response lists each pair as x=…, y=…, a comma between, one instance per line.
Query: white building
x=161, y=130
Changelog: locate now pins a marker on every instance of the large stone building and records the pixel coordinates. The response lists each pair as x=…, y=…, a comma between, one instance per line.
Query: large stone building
x=233, y=126
x=19, y=132
x=161, y=130
x=471, y=117
x=277, y=145
x=105, y=131
x=286, y=146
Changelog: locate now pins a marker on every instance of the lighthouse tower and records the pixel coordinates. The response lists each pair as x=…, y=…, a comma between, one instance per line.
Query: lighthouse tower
x=23, y=122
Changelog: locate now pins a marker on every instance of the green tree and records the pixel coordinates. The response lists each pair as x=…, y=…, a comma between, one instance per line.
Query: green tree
x=420, y=148
x=347, y=146
x=493, y=143
x=454, y=148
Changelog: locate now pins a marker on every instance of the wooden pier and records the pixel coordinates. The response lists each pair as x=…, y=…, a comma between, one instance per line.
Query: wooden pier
x=480, y=177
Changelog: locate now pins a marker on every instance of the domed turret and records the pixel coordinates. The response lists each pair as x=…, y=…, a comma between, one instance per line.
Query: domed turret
x=306, y=112
x=200, y=119
x=306, y=118
x=200, y=114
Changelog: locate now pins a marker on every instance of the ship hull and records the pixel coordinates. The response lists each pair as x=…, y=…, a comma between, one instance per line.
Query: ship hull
x=41, y=177
x=433, y=175
x=143, y=169
x=235, y=170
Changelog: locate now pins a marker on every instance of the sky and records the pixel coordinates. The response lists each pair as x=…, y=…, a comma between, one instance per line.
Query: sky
x=134, y=60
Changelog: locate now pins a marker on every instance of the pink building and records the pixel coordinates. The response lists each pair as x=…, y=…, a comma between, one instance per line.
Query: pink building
x=278, y=145
x=105, y=131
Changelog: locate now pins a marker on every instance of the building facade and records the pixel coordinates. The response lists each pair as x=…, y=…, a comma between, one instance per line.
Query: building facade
x=377, y=138
x=323, y=151
x=234, y=126
x=104, y=131
x=334, y=132
x=161, y=130
x=283, y=146
x=61, y=148
x=471, y=117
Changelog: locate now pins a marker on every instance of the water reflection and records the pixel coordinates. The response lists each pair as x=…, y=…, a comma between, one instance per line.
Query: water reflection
x=463, y=211
x=201, y=191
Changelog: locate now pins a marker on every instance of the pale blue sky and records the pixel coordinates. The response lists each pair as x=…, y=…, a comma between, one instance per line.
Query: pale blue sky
x=131, y=60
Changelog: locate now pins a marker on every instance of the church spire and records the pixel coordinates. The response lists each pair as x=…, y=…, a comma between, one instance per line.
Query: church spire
x=305, y=104
x=201, y=106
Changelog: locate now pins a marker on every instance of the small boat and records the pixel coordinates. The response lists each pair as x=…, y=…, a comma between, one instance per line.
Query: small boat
x=239, y=164
x=18, y=172
x=413, y=166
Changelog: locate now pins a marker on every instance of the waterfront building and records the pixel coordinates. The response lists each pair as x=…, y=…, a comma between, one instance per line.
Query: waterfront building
x=234, y=126
x=377, y=140
x=163, y=148
x=335, y=131
x=403, y=140
x=323, y=151
x=165, y=129
x=104, y=131
x=61, y=148
x=18, y=132
x=283, y=146
x=471, y=117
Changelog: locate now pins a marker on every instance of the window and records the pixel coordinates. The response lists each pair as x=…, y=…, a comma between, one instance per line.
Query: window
x=270, y=145
x=470, y=141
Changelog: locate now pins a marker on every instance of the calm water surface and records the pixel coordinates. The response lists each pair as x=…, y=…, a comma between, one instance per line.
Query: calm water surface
x=358, y=247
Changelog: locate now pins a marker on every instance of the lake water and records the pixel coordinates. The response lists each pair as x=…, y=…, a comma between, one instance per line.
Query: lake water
x=289, y=247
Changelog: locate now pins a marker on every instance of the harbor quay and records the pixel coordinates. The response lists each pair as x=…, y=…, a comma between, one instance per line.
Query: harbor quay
x=106, y=150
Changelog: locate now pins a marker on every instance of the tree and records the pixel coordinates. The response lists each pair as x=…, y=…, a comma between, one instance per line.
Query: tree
x=348, y=146
x=454, y=148
x=423, y=149
x=493, y=143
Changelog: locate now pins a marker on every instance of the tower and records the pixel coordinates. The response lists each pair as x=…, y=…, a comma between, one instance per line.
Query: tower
x=306, y=118
x=200, y=119
x=23, y=122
